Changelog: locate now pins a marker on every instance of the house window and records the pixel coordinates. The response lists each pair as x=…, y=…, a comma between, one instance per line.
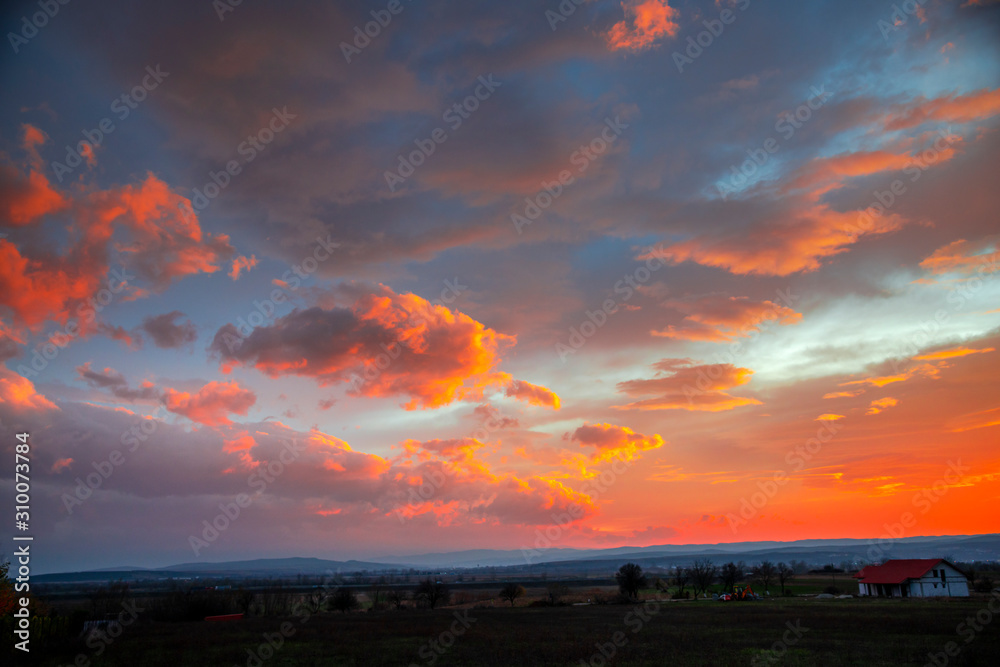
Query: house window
x=933, y=573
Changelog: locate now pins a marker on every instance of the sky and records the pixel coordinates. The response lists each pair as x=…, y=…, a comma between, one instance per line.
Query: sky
x=350, y=280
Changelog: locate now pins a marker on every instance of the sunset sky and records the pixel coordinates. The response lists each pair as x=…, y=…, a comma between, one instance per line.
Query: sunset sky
x=631, y=273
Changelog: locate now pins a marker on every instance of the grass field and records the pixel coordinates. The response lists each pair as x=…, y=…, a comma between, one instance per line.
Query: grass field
x=830, y=632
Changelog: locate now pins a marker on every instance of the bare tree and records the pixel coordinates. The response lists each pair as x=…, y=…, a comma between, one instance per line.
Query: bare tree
x=730, y=574
x=432, y=593
x=703, y=573
x=785, y=574
x=765, y=572
x=681, y=577
x=511, y=592
x=630, y=580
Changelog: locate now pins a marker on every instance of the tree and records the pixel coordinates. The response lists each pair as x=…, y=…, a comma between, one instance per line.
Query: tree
x=764, y=573
x=703, y=573
x=344, y=600
x=630, y=580
x=680, y=579
x=511, y=592
x=377, y=588
x=730, y=574
x=785, y=574
x=556, y=591
x=432, y=593
x=396, y=598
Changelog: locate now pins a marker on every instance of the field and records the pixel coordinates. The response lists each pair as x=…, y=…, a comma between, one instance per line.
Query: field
x=826, y=632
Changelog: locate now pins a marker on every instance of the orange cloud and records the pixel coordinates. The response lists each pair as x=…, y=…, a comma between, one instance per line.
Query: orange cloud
x=241, y=264
x=645, y=22
x=213, y=402
x=25, y=199
x=721, y=319
x=384, y=344
x=829, y=417
x=949, y=108
x=615, y=442
x=19, y=393
x=61, y=464
x=881, y=404
x=689, y=387
x=964, y=257
x=533, y=394
x=952, y=353
x=844, y=394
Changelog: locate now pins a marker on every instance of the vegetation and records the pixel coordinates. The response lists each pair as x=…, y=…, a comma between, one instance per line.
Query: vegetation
x=432, y=593
x=511, y=592
x=630, y=580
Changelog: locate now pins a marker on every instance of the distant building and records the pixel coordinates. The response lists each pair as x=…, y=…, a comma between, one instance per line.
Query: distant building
x=916, y=577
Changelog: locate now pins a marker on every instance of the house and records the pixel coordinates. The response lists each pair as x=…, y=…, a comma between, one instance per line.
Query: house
x=915, y=577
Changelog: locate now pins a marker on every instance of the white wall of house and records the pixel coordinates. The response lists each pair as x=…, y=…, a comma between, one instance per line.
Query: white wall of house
x=941, y=581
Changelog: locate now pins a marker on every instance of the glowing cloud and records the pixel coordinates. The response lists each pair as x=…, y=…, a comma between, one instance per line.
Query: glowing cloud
x=213, y=402
x=645, y=22
x=689, y=387
x=532, y=394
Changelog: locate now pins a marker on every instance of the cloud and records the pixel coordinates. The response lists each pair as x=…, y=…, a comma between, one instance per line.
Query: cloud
x=964, y=257
x=946, y=109
x=615, y=442
x=645, y=22
x=384, y=344
x=242, y=264
x=952, y=353
x=145, y=227
x=24, y=199
x=532, y=394
x=114, y=382
x=719, y=318
x=166, y=333
x=213, y=402
x=881, y=405
x=829, y=417
x=688, y=386
x=19, y=393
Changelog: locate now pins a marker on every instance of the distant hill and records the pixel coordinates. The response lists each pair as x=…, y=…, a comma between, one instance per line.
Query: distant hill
x=818, y=552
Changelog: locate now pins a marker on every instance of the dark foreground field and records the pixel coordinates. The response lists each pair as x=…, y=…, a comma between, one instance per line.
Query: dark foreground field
x=828, y=632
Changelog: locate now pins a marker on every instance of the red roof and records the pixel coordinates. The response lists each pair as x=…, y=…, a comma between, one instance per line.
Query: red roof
x=897, y=571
